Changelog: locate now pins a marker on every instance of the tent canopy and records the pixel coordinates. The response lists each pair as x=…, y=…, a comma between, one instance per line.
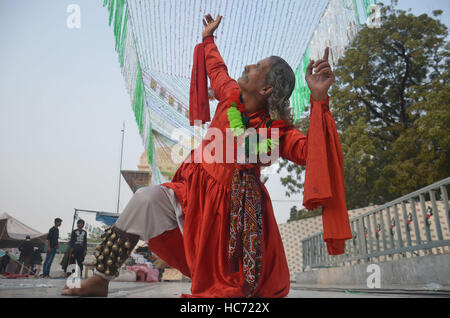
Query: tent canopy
x=13, y=233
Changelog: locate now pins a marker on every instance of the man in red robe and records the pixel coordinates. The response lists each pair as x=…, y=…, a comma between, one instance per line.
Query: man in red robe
x=214, y=221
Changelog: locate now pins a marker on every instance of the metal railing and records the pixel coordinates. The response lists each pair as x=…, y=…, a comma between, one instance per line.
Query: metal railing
x=414, y=225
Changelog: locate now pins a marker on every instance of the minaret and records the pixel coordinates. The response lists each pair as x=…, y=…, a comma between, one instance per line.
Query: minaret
x=141, y=177
x=143, y=163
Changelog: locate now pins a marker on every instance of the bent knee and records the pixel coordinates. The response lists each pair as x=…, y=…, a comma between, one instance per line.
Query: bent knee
x=148, y=194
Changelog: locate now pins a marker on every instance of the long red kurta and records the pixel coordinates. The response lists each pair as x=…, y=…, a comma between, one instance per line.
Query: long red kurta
x=203, y=190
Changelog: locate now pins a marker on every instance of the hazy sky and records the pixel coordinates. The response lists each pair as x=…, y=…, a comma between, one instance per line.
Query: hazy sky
x=62, y=104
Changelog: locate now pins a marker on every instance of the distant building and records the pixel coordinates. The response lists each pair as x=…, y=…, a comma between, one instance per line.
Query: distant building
x=138, y=178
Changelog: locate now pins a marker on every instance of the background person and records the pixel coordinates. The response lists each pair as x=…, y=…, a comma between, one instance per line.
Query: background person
x=26, y=250
x=4, y=262
x=53, y=245
x=78, y=245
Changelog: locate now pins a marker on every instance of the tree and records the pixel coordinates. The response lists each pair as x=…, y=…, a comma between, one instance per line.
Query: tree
x=301, y=214
x=96, y=237
x=422, y=152
x=390, y=104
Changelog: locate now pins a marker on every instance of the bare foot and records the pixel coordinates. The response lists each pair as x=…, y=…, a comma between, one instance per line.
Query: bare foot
x=95, y=286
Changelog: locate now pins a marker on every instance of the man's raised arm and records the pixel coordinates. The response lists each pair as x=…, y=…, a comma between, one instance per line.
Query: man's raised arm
x=217, y=71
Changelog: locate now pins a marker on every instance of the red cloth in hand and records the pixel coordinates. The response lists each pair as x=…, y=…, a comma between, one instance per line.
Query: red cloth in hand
x=198, y=95
x=324, y=178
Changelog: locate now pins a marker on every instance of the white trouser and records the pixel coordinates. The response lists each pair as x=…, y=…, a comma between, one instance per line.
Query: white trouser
x=150, y=212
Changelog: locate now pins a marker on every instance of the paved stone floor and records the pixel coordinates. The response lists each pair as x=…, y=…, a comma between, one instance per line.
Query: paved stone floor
x=50, y=288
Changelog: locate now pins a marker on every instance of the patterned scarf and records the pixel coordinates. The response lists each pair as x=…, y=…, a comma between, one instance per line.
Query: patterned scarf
x=246, y=228
x=246, y=221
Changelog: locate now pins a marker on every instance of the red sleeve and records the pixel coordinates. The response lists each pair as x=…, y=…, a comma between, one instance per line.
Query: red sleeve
x=293, y=146
x=221, y=83
x=198, y=92
x=324, y=177
x=317, y=176
x=321, y=152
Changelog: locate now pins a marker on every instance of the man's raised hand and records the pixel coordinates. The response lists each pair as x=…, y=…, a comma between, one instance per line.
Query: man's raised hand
x=321, y=80
x=210, y=24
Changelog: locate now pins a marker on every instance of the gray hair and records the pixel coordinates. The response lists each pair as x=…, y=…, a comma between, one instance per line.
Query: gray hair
x=282, y=78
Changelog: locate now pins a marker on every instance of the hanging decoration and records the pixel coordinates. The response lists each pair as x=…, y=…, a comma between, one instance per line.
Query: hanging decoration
x=301, y=93
x=118, y=13
x=377, y=232
x=356, y=10
x=156, y=57
x=367, y=7
x=150, y=147
x=429, y=215
x=408, y=223
x=139, y=96
x=338, y=26
x=392, y=226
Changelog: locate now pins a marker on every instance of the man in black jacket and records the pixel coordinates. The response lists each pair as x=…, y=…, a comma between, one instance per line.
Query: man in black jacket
x=78, y=245
x=52, y=243
x=26, y=250
x=4, y=262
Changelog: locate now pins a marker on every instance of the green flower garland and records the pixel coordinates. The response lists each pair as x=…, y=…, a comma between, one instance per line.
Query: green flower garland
x=238, y=124
x=235, y=118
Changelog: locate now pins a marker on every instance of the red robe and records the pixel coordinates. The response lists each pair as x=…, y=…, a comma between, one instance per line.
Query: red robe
x=203, y=190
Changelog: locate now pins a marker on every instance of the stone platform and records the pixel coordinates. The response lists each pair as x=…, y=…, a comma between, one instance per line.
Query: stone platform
x=51, y=288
